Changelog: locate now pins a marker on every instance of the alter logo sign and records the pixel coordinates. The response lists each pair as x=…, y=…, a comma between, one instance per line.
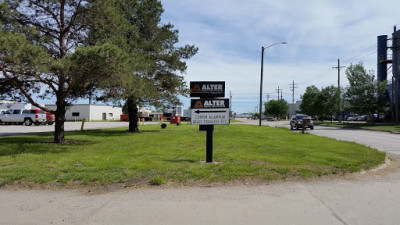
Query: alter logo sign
x=209, y=89
x=209, y=111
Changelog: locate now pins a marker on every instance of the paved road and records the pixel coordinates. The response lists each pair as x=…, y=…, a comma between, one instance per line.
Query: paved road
x=369, y=198
x=383, y=141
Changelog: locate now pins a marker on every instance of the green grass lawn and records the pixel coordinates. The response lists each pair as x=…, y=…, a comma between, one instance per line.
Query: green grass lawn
x=173, y=155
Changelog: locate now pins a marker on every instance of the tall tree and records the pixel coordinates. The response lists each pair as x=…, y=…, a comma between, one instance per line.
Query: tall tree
x=329, y=100
x=66, y=49
x=156, y=62
x=277, y=108
x=43, y=53
x=310, y=104
x=363, y=90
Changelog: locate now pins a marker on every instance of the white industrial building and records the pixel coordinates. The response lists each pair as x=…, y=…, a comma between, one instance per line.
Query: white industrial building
x=90, y=112
x=5, y=105
x=74, y=112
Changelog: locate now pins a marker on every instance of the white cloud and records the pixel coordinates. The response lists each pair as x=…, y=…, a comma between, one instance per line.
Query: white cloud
x=230, y=33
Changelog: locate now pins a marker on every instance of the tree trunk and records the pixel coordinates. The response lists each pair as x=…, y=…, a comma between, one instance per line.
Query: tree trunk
x=133, y=115
x=372, y=119
x=59, y=134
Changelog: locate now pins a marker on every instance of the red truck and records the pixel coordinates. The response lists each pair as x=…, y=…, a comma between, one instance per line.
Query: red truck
x=50, y=118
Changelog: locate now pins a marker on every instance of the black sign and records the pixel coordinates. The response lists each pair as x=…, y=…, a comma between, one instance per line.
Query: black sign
x=207, y=89
x=209, y=103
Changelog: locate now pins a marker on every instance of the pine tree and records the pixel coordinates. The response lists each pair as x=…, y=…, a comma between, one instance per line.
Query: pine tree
x=41, y=53
x=156, y=63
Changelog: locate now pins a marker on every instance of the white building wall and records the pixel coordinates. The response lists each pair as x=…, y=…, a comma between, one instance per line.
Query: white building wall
x=78, y=112
x=5, y=105
x=105, y=112
x=90, y=112
x=51, y=107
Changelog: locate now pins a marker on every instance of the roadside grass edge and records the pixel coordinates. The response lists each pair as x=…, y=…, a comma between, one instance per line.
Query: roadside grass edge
x=173, y=155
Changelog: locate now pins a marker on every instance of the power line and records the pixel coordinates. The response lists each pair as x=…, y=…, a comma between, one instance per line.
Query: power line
x=349, y=57
x=318, y=76
x=369, y=47
x=369, y=50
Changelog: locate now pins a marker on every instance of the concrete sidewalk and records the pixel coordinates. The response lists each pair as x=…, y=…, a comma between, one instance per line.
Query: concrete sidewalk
x=371, y=198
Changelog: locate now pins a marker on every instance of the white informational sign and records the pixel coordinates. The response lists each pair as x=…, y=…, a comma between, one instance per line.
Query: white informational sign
x=209, y=116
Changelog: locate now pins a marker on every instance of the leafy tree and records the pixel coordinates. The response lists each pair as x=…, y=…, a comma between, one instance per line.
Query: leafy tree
x=70, y=48
x=311, y=104
x=329, y=100
x=362, y=93
x=277, y=108
x=43, y=54
x=156, y=62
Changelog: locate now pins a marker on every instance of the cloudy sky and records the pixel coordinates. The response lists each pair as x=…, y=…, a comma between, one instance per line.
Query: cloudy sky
x=230, y=34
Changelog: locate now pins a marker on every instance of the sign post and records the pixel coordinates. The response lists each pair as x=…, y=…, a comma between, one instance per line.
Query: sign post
x=209, y=110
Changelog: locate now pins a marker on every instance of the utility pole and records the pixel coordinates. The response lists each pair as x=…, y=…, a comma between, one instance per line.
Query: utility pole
x=281, y=94
x=338, y=67
x=268, y=97
x=395, y=68
x=278, y=92
x=391, y=101
x=230, y=104
x=293, y=86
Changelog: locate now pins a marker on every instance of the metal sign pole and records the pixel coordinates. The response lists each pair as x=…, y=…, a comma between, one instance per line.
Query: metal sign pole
x=209, y=144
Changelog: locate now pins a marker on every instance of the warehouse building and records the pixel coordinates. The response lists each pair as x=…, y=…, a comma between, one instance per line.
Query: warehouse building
x=5, y=105
x=90, y=112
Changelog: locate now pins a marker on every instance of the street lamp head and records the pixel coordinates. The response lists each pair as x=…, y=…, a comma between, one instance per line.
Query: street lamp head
x=277, y=43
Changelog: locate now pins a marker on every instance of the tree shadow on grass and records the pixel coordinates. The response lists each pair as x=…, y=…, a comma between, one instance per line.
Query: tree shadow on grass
x=109, y=132
x=36, y=145
x=43, y=143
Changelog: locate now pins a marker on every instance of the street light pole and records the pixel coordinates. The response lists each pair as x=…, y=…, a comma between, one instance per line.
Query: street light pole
x=262, y=71
x=261, y=82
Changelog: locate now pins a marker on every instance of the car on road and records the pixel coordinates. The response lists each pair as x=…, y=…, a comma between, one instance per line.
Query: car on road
x=296, y=121
x=351, y=118
x=23, y=116
x=50, y=118
x=362, y=118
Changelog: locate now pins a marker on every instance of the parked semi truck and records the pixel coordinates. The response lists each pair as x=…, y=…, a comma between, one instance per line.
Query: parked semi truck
x=23, y=116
